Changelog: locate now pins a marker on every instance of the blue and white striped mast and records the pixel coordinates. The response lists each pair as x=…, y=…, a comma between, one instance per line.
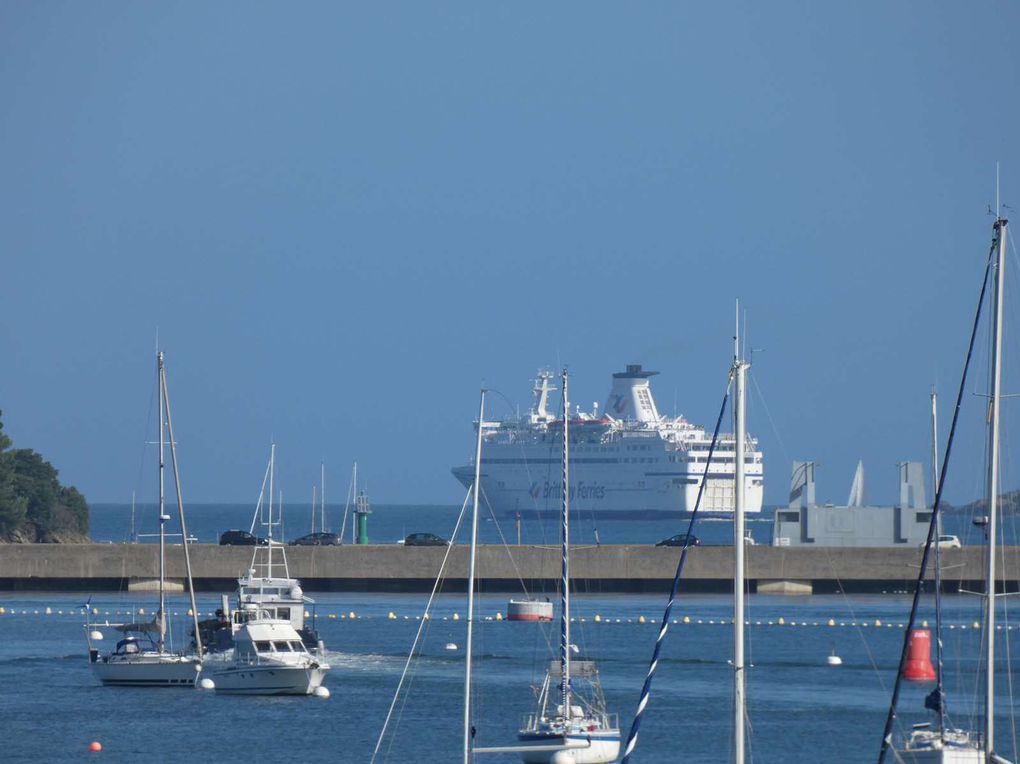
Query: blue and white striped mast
x=565, y=583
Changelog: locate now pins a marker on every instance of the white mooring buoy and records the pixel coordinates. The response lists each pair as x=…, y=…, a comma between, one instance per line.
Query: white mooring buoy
x=451, y=646
x=96, y=636
x=207, y=684
x=321, y=692
x=834, y=660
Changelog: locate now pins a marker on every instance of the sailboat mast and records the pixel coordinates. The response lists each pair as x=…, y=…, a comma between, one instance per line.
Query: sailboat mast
x=739, y=546
x=565, y=583
x=162, y=508
x=322, y=496
x=993, y=486
x=475, y=488
x=180, y=514
x=269, y=533
x=939, y=690
x=354, y=533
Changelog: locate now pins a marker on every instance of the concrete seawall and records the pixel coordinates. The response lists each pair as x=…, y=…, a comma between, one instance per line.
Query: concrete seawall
x=395, y=568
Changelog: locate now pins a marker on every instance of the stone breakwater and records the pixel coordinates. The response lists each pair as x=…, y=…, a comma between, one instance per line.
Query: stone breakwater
x=596, y=569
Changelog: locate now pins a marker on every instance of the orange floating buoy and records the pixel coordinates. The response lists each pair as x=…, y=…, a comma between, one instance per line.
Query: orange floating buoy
x=95, y=746
x=919, y=668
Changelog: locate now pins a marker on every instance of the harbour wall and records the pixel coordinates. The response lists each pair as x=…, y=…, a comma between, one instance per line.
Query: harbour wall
x=396, y=568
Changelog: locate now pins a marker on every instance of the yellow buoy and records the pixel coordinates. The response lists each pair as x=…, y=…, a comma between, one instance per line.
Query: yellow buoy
x=641, y=619
x=878, y=622
x=392, y=616
x=456, y=616
x=499, y=616
x=781, y=621
x=352, y=615
x=687, y=619
x=976, y=625
x=832, y=622
x=597, y=618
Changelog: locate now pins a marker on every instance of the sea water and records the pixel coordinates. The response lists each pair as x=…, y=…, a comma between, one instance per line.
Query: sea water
x=800, y=709
x=390, y=523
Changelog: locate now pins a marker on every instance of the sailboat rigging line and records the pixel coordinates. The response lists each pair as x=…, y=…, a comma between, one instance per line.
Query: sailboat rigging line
x=527, y=468
x=347, y=505
x=506, y=546
x=258, y=505
x=768, y=414
x=936, y=507
x=185, y=544
x=421, y=627
x=646, y=690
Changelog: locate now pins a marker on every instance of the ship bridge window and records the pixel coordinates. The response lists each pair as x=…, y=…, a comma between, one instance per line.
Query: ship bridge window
x=789, y=517
x=282, y=646
x=923, y=517
x=283, y=613
x=262, y=646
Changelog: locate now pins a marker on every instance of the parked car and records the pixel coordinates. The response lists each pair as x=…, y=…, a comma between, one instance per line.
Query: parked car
x=425, y=539
x=948, y=542
x=318, y=539
x=679, y=540
x=241, y=538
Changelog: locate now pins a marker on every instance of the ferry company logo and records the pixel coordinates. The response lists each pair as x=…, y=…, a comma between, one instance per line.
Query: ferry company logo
x=579, y=490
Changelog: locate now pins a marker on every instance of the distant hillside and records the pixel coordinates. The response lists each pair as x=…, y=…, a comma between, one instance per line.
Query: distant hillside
x=1009, y=503
x=34, y=506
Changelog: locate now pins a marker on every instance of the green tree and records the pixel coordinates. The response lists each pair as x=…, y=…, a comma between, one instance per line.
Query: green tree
x=13, y=508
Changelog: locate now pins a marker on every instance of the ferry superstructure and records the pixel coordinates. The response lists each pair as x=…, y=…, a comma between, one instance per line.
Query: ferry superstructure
x=626, y=458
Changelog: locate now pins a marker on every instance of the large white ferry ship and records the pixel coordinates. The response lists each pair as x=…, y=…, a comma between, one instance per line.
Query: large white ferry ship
x=625, y=459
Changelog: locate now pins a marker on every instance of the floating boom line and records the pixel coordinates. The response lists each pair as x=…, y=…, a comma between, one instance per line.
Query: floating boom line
x=933, y=524
x=646, y=690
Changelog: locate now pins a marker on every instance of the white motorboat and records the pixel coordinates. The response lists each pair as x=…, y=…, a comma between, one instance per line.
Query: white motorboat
x=270, y=656
x=269, y=659
x=277, y=596
x=143, y=658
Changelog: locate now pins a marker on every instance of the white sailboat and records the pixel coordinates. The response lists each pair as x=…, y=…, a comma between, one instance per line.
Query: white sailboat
x=142, y=658
x=943, y=744
x=270, y=657
x=571, y=726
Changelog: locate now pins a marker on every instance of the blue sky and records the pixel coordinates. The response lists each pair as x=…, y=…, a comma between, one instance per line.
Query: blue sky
x=341, y=219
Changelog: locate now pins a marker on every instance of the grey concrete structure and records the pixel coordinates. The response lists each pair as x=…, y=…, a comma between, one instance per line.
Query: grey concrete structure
x=391, y=567
x=806, y=523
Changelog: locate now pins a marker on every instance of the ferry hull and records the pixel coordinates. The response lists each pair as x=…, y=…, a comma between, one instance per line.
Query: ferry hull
x=604, y=493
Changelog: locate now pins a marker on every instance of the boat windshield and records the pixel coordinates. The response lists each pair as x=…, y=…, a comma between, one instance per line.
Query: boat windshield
x=282, y=646
x=262, y=646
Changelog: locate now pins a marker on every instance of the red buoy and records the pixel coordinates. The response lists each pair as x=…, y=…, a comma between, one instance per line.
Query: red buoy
x=919, y=668
x=95, y=746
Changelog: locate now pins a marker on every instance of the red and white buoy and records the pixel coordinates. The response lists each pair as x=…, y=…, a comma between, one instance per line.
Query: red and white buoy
x=918, y=667
x=529, y=610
